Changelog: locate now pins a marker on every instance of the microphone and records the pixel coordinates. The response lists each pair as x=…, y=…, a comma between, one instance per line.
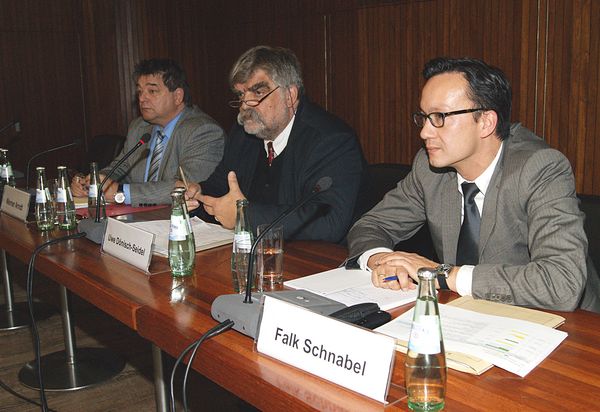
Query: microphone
x=244, y=313
x=322, y=185
x=75, y=142
x=95, y=228
x=15, y=123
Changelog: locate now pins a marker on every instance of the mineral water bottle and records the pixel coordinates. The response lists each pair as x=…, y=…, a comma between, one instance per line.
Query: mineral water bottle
x=182, y=248
x=93, y=192
x=44, y=208
x=7, y=176
x=242, y=243
x=425, y=365
x=65, y=206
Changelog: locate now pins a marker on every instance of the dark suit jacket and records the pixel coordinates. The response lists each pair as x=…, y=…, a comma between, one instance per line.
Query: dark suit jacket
x=319, y=145
x=532, y=249
x=196, y=145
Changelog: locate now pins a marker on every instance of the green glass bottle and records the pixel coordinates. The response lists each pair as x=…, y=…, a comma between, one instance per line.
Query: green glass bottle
x=182, y=248
x=425, y=366
x=44, y=207
x=242, y=243
x=65, y=205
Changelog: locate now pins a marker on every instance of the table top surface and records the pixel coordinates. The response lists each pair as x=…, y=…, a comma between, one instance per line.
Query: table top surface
x=172, y=313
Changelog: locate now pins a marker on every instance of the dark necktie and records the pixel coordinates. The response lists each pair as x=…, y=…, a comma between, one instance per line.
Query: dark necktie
x=271, y=154
x=159, y=148
x=467, y=252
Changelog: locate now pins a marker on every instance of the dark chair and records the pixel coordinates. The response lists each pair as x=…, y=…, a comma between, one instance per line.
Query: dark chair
x=102, y=149
x=383, y=177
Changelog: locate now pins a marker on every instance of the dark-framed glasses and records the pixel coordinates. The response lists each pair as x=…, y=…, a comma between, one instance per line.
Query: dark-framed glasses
x=437, y=118
x=250, y=102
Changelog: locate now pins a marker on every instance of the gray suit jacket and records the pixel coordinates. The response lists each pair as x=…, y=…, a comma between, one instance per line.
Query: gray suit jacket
x=532, y=248
x=196, y=145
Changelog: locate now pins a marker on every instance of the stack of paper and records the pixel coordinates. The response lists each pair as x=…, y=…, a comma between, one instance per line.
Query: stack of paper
x=352, y=286
x=206, y=235
x=475, y=341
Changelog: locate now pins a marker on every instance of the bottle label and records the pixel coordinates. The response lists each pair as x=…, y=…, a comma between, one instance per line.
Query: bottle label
x=93, y=191
x=178, y=230
x=40, y=196
x=6, y=171
x=425, y=335
x=243, y=241
x=61, y=195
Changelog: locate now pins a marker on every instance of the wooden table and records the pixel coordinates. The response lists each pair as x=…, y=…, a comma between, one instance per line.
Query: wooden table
x=569, y=379
x=113, y=286
x=171, y=314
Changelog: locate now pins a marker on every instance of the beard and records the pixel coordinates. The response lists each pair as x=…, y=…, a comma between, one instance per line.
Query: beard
x=257, y=127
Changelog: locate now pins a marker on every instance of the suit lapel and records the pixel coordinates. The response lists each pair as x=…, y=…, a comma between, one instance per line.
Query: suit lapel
x=451, y=216
x=166, y=157
x=490, y=205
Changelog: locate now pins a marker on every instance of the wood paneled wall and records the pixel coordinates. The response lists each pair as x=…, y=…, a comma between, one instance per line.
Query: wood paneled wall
x=362, y=60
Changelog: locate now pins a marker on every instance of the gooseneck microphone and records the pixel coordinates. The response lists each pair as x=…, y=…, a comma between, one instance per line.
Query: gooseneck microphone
x=75, y=142
x=94, y=228
x=322, y=185
x=143, y=140
x=243, y=312
x=15, y=123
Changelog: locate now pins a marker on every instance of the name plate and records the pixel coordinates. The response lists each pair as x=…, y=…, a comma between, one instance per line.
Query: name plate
x=15, y=202
x=356, y=358
x=128, y=243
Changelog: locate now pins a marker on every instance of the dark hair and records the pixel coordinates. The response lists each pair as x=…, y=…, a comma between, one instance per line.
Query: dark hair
x=279, y=63
x=172, y=75
x=488, y=86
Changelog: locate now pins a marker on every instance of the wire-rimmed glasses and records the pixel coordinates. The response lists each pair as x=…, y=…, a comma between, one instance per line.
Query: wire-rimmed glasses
x=250, y=102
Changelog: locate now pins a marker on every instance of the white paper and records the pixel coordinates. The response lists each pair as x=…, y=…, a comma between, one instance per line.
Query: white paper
x=206, y=235
x=514, y=345
x=352, y=286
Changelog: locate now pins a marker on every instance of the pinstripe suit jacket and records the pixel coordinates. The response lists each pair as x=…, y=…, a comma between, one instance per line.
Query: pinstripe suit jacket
x=532, y=248
x=196, y=145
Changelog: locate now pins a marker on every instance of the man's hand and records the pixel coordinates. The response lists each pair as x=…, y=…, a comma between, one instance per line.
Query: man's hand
x=400, y=264
x=192, y=194
x=223, y=208
x=110, y=188
x=80, y=184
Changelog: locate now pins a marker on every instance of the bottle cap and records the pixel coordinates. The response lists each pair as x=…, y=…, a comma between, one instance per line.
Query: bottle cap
x=427, y=273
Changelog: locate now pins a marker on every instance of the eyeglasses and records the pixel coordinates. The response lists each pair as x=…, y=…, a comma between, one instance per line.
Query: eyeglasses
x=437, y=118
x=251, y=102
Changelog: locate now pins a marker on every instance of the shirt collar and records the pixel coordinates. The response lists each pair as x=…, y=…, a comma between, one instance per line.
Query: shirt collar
x=169, y=127
x=281, y=141
x=483, y=180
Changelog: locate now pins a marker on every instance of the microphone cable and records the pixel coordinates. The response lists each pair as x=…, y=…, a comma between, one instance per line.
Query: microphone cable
x=34, y=330
x=18, y=395
x=216, y=330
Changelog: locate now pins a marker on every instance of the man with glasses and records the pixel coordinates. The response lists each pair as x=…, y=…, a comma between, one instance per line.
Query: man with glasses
x=499, y=202
x=283, y=144
x=182, y=137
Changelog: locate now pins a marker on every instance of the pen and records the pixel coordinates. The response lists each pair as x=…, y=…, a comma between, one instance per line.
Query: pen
x=390, y=278
x=183, y=177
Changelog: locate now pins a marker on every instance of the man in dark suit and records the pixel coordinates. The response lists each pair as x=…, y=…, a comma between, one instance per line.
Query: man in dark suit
x=182, y=135
x=282, y=146
x=517, y=234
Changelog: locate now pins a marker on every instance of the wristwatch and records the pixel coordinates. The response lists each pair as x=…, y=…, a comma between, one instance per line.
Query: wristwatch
x=119, y=195
x=443, y=271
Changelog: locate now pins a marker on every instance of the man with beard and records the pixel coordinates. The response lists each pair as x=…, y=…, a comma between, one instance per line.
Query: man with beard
x=181, y=136
x=282, y=146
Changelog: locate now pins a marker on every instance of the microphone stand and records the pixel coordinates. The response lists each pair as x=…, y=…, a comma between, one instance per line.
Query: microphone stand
x=75, y=143
x=95, y=229
x=242, y=313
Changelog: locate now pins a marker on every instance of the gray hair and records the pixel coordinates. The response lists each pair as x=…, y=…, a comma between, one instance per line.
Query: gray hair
x=279, y=63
